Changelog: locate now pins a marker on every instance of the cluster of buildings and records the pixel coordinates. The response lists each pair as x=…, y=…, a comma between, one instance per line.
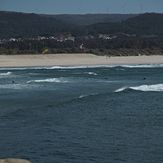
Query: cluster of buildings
x=59, y=38
x=69, y=37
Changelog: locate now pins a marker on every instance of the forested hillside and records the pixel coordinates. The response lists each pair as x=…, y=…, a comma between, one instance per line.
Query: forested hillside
x=29, y=25
x=144, y=24
x=98, y=33
x=13, y=24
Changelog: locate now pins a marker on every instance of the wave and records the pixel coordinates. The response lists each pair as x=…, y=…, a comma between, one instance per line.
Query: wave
x=89, y=66
x=121, y=89
x=16, y=68
x=142, y=66
x=15, y=86
x=50, y=80
x=76, y=67
x=91, y=73
x=54, y=67
x=109, y=66
x=5, y=74
x=84, y=96
x=144, y=88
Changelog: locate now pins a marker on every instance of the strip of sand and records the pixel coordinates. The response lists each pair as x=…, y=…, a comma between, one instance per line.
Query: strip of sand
x=74, y=60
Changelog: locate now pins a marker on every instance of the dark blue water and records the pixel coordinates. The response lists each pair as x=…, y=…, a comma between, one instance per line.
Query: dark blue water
x=103, y=115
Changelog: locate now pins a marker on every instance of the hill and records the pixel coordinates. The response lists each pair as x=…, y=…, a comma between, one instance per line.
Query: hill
x=89, y=19
x=14, y=24
x=143, y=24
x=149, y=23
x=139, y=34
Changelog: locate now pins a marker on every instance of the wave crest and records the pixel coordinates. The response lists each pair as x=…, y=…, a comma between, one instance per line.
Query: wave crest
x=50, y=80
x=142, y=66
x=91, y=73
x=88, y=95
x=89, y=66
x=144, y=88
x=5, y=74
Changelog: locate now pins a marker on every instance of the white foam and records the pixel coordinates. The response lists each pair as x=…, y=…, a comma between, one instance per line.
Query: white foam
x=89, y=66
x=91, y=73
x=144, y=88
x=156, y=87
x=83, y=96
x=143, y=66
x=14, y=68
x=120, y=89
x=108, y=66
x=50, y=80
x=14, y=86
x=72, y=67
x=5, y=74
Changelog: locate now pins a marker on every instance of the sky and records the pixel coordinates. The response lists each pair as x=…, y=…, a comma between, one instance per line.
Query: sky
x=82, y=6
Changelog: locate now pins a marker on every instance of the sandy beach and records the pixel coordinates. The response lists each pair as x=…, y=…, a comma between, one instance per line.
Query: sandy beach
x=74, y=60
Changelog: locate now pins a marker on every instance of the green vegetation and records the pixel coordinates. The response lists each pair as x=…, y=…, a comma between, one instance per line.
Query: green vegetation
x=101, y=34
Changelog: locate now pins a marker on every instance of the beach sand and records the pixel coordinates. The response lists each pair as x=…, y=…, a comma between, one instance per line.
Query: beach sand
x=74, y=60
x=10, y=160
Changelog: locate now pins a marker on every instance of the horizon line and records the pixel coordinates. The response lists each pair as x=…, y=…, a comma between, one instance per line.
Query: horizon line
x=93, y=13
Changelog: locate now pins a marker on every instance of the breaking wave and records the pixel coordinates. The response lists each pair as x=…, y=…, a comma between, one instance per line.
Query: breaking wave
x=142, y=66
x=50, y=80
x=88, y=66
x=121, y=89
x=5, y=74
x=84, y=96
x=78, y=67
x=91, y=73
x=108, y=66
x=144, y=88
x=15, y=86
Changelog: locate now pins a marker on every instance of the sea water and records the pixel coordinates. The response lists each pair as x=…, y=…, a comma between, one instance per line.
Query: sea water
x=103, y=114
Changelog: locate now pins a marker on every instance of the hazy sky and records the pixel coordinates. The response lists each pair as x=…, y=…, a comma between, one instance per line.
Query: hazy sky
x=82, y=6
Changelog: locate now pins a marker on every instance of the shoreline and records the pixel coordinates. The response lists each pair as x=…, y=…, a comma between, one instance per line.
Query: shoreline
x=72, y=60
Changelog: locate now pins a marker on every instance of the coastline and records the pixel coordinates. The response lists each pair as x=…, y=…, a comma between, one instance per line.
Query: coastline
x=74, y=60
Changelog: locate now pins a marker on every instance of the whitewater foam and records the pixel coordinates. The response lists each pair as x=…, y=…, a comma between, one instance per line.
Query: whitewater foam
x=91, y=73
x=5, y=74
x=15, y=86
x=88, y=66
x=121, y=89
x=144, y=88
x=84, y=96
x=109, y=66
x=142, y=66
x=50, y=80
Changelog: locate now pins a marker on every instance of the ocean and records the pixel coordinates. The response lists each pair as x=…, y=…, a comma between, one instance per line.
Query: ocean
x=100, y=114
